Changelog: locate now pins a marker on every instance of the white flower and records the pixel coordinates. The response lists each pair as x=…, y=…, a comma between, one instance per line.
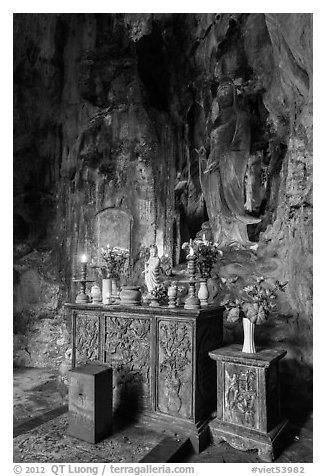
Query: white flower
x=248, y=288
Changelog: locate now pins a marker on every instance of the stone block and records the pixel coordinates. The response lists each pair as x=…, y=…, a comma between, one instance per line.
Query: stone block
x=90, y=402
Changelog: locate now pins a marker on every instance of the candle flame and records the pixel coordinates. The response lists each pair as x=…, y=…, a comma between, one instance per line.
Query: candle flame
x=83, y=259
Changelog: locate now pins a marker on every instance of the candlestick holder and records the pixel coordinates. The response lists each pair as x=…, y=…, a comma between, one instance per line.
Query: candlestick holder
x=82, y=297
x=192, y=302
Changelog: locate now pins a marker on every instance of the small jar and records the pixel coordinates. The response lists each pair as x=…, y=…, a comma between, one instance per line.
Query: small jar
x=96, y=294
x=130, y=295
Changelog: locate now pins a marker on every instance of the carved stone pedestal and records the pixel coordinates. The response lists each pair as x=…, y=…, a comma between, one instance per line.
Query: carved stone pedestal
x=248, y=400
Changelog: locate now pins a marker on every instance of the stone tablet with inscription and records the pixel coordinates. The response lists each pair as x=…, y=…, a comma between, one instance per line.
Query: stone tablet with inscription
x=114, y=228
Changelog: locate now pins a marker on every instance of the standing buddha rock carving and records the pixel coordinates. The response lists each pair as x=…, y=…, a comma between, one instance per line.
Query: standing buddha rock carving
x=223, y=173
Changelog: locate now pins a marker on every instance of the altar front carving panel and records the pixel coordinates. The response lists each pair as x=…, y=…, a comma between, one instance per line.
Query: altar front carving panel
x=159, y=356
x=174, y=367
x=127, y=349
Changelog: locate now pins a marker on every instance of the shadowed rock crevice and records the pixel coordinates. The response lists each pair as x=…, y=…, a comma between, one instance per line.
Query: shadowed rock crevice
x=154, y=68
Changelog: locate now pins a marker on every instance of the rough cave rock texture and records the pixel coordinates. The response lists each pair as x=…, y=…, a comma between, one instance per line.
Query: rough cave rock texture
x=109, y=112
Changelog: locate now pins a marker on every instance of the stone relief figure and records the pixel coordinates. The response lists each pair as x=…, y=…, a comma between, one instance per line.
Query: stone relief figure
x=152, y=269
x=222, y=173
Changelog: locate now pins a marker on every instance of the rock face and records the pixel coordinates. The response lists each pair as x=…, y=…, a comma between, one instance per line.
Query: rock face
x=110, y=111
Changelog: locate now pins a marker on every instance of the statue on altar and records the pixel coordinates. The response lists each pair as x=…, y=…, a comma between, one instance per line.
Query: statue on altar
x=152, y=269
x=205, y=233
x=222, y=174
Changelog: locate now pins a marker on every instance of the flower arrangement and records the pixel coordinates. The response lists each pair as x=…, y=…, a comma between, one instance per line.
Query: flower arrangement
x=160, y=292
x=206, y=253
x=116, y=261
x=254, y=301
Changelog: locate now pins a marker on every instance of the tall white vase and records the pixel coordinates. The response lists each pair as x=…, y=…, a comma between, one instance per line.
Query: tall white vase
x=248, y=336
x=106, y=290
x=203, y=293
x=115, y=289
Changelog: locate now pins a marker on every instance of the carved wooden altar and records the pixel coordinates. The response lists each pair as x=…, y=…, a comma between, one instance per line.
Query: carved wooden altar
x=248, y=400
x=160, y=362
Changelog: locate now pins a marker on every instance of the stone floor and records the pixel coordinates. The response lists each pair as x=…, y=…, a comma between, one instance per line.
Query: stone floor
x=40, y=431
x=36, y=391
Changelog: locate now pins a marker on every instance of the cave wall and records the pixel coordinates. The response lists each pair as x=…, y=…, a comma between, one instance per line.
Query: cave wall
x=289, y=235
x=110, y=110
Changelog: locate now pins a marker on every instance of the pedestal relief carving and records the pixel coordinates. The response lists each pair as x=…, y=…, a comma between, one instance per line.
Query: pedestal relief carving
x=127, y=350
x=175, y=368
x=240, y=396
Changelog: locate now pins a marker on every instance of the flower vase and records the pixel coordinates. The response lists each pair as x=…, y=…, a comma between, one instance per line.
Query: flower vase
x=115, y=289
x=248, y=336
x=203, y=292
x=106, y=290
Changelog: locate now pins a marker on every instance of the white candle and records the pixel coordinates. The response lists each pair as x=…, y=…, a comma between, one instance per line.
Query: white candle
x=191, y=252
x=204, y=236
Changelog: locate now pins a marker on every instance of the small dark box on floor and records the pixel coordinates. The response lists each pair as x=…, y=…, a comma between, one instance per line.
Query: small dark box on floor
x=90, y=402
